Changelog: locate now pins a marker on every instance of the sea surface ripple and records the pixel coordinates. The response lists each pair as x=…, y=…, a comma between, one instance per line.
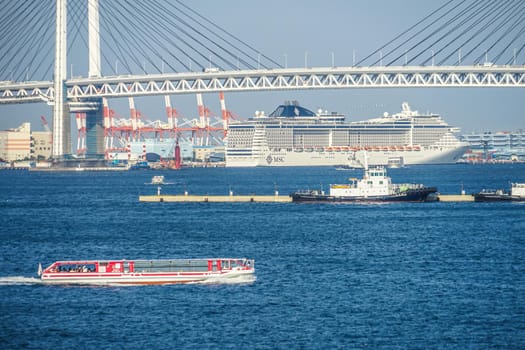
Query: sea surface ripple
x=329, y=276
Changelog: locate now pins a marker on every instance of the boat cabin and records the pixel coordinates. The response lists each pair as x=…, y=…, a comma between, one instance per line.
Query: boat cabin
x=148, y=266
x=375, y=182
x=518, y=189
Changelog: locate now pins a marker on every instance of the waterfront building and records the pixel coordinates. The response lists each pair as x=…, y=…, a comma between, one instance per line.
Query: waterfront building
x=501, y=141
x=15, y=144
x=41, y=145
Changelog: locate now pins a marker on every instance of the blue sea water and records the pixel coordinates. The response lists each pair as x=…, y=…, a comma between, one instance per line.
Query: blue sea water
x=329, y=276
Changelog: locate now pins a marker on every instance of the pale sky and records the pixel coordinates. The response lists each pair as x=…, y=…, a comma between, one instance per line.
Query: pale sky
x=294, y=29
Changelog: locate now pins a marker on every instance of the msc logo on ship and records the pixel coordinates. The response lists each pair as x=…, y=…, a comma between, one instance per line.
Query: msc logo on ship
x=274, y=159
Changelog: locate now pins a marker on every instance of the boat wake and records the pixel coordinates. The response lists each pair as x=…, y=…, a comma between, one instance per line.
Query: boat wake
x=18, y=280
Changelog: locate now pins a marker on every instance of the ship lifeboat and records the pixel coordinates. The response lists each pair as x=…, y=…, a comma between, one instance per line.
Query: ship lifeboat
x=328, y=149
x=345, y=149
x=337, y=149
x=417, y=148
x=408, y=148
x=298, y=149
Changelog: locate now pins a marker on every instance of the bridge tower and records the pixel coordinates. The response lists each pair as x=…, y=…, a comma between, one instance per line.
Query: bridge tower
x=94, y=116
x=94, y=39
x=91, y=107
x=61, y=117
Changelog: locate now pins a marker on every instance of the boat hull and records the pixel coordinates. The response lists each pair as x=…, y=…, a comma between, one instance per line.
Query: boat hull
x=145, y=278
x=490, y=197
x=267, y=158
x=425, y=194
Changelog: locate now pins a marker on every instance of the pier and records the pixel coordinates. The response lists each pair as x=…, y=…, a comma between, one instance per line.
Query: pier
x=456, y=198
x=446, y=198
x=216, y=199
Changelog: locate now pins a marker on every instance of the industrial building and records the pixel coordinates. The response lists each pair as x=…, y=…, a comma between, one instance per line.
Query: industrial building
x=20, y=143
x=501, y=146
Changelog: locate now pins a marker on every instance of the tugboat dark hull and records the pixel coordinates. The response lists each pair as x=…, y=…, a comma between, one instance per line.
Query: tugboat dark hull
x=425, y=194
x=495, y=197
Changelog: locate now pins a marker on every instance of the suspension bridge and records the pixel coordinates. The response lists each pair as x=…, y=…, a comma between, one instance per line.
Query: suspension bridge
x=128, y=58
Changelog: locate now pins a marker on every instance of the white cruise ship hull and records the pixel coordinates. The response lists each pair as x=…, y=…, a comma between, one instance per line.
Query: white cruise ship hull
x=346, y=158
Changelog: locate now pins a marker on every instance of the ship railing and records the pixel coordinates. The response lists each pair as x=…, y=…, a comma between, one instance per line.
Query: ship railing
x=407, y=186
x=309, y=192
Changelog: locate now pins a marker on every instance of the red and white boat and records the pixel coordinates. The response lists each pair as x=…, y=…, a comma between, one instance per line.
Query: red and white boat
x=167, y=271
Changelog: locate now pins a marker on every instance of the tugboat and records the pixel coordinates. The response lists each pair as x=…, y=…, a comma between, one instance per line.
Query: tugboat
x=516, y=193
x=375, y=186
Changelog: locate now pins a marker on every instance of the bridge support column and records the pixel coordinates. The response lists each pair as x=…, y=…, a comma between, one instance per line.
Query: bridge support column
x=95, y=131
x=61, y=118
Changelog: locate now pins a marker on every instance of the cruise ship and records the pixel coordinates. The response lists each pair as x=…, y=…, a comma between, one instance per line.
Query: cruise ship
x=295, y=136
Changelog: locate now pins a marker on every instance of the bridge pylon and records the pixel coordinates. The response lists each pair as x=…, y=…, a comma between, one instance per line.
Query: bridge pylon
x=61, y=117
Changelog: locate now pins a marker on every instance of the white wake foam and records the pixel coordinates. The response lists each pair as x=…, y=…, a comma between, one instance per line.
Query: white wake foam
x=19, y=280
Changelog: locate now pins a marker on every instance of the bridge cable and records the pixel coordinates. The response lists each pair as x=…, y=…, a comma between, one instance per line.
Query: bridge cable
x=222, y=47
x=409, y=29
x=169, y=53
x=151, y=16
x=215, y=43
x=516, y=37
x=24, y=36
x=121, y=57
x=483, y=40
x=192, y=37
x=519, y=20
x=229, y=34
x=9, y=47
x=475, y=21
x=103, y=24
x=469, y=39
x=425, y=38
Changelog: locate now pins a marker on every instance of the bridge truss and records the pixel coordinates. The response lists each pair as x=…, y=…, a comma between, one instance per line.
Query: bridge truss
x=272, y=79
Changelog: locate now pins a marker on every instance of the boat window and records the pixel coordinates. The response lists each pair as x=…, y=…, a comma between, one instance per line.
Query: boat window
x=71, y=267
x=170, y=265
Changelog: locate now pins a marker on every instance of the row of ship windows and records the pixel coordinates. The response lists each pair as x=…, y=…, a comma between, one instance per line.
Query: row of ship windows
x=345, y=138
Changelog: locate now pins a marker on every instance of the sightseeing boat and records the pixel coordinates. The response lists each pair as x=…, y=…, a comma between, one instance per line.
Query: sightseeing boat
x=157, y=180
x=147, y=271
x=375, y=186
